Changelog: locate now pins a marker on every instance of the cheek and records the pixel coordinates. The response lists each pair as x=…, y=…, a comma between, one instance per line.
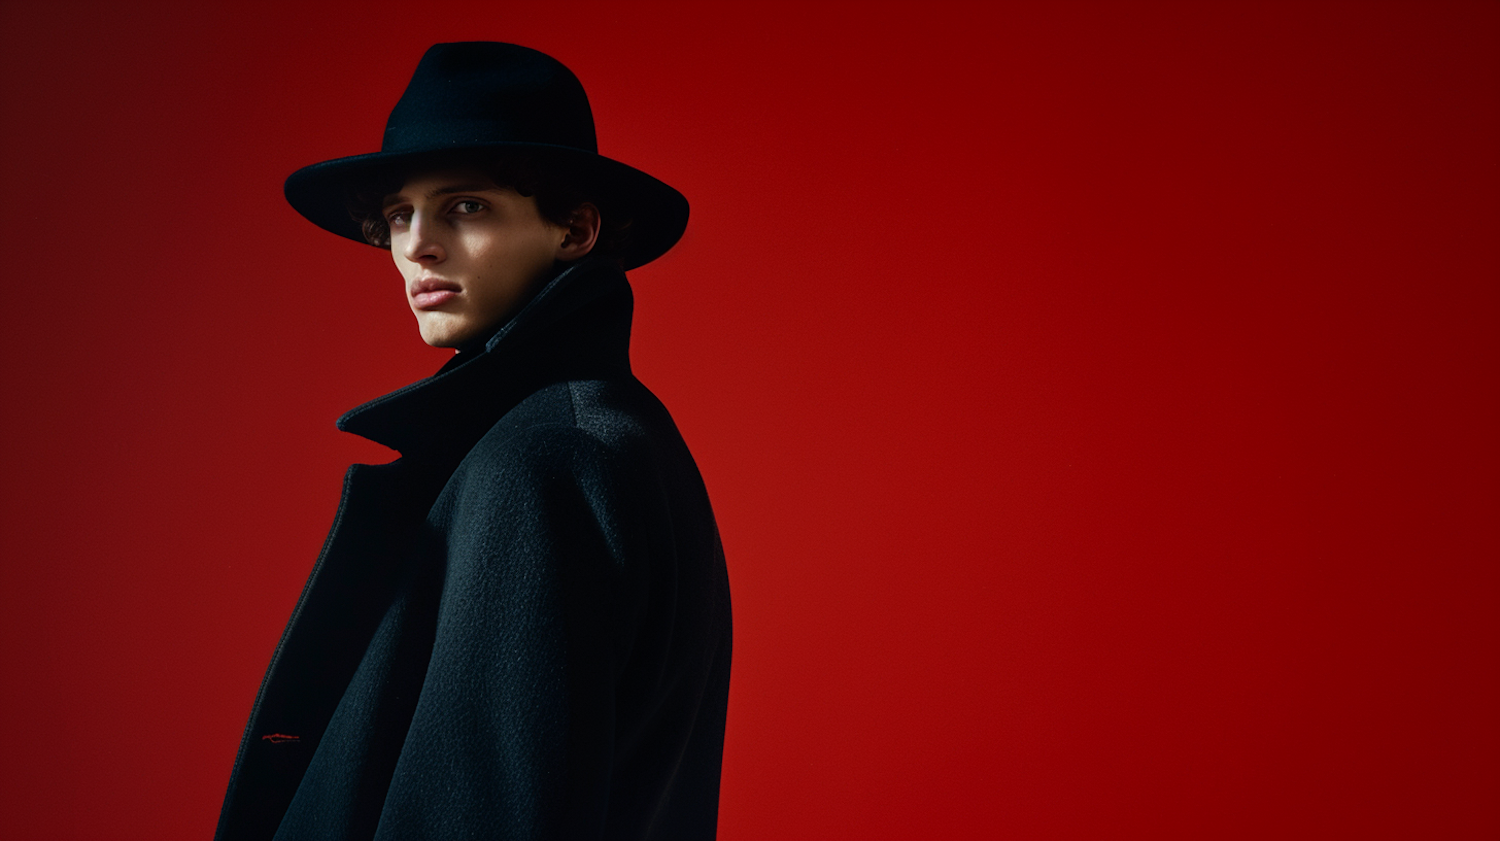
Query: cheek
x=512, y=263
x=404, y=267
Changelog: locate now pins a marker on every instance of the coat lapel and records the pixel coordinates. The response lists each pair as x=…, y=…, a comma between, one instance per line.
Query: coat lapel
x=379, y=516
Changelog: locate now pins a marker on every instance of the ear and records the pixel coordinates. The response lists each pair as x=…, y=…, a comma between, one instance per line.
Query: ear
x=582, y=232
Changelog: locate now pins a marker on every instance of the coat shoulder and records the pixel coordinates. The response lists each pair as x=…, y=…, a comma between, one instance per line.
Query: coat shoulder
x=618, y=419
x=610, y=439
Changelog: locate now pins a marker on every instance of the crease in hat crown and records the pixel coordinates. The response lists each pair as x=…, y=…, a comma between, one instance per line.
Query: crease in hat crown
x=481, y=97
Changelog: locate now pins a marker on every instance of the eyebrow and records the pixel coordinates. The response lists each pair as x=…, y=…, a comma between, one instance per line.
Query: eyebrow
x=475, y=187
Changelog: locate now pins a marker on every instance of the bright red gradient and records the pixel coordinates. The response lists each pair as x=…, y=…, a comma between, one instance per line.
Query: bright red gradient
x=1099, y=400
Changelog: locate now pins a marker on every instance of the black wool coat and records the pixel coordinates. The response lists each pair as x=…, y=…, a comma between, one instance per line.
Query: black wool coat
x=518, y=629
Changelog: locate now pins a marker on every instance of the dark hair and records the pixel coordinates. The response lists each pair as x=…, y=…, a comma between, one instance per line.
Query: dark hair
x=558, y=196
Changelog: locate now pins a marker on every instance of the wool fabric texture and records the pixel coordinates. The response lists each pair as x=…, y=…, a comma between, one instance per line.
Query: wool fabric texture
x=518, y=629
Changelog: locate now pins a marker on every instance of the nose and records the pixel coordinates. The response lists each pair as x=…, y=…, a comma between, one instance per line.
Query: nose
x=423, y=241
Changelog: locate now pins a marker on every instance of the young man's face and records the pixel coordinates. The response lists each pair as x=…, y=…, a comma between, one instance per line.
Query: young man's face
x=470, y=253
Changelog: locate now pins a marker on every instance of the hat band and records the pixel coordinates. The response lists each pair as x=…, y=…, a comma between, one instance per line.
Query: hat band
x=456, y=133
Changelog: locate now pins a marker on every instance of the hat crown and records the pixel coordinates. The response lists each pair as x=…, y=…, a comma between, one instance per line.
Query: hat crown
x=480, y=92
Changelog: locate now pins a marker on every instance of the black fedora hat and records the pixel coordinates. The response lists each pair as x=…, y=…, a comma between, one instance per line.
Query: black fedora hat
x=478, y=98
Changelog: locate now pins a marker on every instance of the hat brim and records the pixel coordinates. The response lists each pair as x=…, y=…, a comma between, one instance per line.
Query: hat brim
x=658, y=213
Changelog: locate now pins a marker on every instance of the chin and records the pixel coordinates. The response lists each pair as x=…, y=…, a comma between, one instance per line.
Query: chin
x=445, y=341
x=443, y=338
x=446, y=334
x=441, y=329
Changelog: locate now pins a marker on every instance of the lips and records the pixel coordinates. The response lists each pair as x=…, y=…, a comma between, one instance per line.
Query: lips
x=431, y=293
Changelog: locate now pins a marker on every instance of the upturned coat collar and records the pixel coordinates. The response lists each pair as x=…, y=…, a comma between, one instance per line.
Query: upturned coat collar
x=577, y=327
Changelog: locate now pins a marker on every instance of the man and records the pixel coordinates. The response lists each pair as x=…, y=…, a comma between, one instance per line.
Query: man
x=520, y=628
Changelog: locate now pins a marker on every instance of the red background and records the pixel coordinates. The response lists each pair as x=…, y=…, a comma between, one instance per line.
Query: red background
x=1099, y=400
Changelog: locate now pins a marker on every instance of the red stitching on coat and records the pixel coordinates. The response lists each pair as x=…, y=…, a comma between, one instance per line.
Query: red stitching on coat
x=279, y=737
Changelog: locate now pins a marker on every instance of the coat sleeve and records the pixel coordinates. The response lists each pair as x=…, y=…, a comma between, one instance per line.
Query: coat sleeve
x=513, y=731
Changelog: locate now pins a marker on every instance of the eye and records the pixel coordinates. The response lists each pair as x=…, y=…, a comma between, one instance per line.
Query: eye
x=397, y=216
x=467, y=206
